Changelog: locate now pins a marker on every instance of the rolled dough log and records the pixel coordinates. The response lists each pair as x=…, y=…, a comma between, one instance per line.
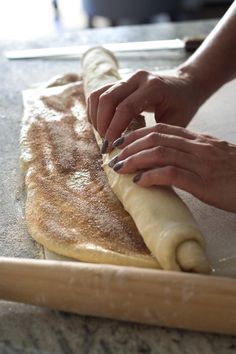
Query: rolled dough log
x=70, y=208
x=164, y=221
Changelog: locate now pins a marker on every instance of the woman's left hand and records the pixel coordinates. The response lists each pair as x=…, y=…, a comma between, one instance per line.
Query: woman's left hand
x=168, y=155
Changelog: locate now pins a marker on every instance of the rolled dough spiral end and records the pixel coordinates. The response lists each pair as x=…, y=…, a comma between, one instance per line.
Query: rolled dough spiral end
x=192, y=258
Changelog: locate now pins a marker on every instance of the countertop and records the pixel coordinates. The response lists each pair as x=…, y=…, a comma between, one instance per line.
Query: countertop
x=28, y=329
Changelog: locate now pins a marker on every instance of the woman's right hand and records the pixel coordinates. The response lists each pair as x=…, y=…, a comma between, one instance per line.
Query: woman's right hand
x=174, y=99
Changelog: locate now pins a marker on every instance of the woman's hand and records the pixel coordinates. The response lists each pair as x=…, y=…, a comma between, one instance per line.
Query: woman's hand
x=174, y=100
x=167, y=155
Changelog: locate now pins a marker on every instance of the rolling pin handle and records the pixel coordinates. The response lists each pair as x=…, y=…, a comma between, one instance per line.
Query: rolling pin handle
x=193, y=43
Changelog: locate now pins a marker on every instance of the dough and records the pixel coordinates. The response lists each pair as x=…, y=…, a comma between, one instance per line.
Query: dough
x=164, y=221
x=70, y=208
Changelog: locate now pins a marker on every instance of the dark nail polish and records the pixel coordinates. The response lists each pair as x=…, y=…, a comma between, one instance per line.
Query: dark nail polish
x=118, y=165
x=137, y=178
x=104, y=146
x=113, y=161
x=118, y=142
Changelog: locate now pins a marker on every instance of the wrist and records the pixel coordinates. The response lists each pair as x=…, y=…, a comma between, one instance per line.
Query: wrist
x=198, y=85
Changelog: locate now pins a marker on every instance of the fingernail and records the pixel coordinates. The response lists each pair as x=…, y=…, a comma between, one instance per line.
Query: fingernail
x=137, y=178
x=118, y=165
x=113, y=161
x=104, y=146
x=118, y=142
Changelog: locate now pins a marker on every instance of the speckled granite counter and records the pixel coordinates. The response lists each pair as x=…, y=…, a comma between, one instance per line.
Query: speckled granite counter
x=27, y=329
x=30, y=330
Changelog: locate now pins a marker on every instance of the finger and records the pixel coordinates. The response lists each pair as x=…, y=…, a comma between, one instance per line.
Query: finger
x=175, y=130
x=171, y=175
x=131, y=137
x=158, y=156
x=160, y=128
x=108, y=102
x=128, y=109
x=92, y=104
x=158, y=141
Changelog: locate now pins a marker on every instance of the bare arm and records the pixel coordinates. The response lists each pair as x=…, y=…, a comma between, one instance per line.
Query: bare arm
x=214, y=63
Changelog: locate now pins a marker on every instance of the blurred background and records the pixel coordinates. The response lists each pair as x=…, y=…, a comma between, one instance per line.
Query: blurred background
x=29, y=19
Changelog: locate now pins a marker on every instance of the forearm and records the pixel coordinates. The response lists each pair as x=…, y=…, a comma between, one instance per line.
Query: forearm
x=214, y=63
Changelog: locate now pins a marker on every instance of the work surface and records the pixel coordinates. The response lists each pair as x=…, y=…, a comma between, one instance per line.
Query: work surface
x=28, y=329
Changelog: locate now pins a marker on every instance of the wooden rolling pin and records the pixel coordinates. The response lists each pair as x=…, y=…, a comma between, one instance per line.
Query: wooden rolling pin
x=171, y=299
